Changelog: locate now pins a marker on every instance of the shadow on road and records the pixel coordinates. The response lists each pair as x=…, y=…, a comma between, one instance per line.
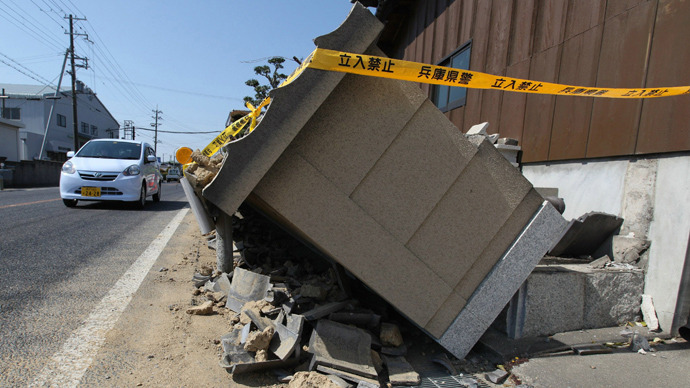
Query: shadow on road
x=149, y=207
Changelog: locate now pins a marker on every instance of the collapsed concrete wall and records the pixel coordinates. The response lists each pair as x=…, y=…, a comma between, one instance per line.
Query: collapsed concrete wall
x=373, y=175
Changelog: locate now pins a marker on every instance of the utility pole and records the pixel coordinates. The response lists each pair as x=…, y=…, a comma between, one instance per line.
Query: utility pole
x=52, y=107
x=129, y=129
x=156, y=116
x=74, y=79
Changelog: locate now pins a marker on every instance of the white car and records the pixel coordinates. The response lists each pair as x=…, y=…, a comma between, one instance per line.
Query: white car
x=173, y=175
x=111, y=170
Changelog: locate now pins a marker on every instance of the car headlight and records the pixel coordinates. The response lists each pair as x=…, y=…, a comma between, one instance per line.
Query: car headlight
x=68, y=168
x=132, y=170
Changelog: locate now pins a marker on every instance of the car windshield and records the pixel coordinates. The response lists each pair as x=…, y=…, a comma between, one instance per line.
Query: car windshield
x=110, y=150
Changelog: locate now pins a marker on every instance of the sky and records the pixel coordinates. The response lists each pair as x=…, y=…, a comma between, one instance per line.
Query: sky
x=187, y=58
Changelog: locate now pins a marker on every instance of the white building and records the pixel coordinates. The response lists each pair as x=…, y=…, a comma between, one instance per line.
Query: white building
x=28, y=109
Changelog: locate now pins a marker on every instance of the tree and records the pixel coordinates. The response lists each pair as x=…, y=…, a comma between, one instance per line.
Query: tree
x=274, y=77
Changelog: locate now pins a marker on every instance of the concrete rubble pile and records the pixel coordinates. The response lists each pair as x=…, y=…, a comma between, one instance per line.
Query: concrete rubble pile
x=293, y=309
x=371, y=175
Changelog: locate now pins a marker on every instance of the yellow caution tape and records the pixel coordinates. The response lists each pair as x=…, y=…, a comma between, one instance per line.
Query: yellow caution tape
x=233, y=129
x=383, y=67
x=439, y=75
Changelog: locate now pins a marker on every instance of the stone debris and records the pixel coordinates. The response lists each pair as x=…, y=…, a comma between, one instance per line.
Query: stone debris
x=586, y=234
x=649, y=313
x=203, y=170
x=259, y=340
x=205, y=309
x=390, y=335
x=498, y=376
x=311, y=380
x=400, y=372
x=639, y=342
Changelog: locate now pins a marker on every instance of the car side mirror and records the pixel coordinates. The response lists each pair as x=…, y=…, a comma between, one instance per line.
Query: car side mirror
x=150, y=158
x=70, y=154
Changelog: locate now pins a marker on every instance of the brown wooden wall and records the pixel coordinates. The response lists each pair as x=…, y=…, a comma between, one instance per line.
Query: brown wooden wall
x=614, y=43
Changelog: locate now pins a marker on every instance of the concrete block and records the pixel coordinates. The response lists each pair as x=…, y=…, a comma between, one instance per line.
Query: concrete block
x=246, y=286
x=612, y=298
x=338, y=227
x=249, y=158
x=585, y=234
x=287, y=337
x=402, y=199
x=649, y=313
x=505, y=278
x=359, y=147
x=341, y=347
x=361, y=381
x=478, y=129
x=565, y=297
x=553, y=301
x=400, y=372
x=386, y=194
x=497, y=377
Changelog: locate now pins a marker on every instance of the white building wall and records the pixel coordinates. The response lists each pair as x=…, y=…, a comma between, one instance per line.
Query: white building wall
x=600, y=185
x=9, y=140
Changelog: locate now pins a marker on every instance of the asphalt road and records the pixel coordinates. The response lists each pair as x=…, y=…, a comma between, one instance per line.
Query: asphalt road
x=56, y=263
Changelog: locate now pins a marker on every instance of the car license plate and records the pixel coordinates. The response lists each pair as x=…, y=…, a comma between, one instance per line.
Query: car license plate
x=91, y=191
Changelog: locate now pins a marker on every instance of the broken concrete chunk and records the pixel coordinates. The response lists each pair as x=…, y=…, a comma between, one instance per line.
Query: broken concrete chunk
x=364, y=320
x=394, y=350
x=314, y=291
x=199, y=279
x=215, y=296
x=261, y=355
x=206, y=270
x=390, y=335
x=253, y=311
x=339, y=381
x=586, y=234
x=443, y=360
x=361, y=381
x=627, y=249
x=376, y=359
x=222, y=283
x=478, y=129
x=649, y=313
x=587, y=349
x=253, y=366
x=200, y=158
x=507, y=141
x=639, y=342
x=235, y=354
x=205, y=309
x=342, y=347
x=311, y=380
x=246, y=286
x=400, y=372
x=600, y=262
x=498, y=376
x=288, y=336
x=259, y=340
x=244, y=335
x=326, y=309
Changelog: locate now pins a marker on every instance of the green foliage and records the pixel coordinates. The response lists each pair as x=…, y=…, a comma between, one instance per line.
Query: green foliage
x=274, y=78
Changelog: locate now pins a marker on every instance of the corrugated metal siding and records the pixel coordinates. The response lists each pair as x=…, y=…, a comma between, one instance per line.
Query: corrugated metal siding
x=614, y=43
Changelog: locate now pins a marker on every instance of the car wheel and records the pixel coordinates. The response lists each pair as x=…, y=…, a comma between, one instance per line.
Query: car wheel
x=142, y=197
x=157, y=196
x=70, y=202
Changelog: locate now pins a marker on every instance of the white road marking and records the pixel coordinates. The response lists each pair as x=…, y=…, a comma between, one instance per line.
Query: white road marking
x=66, y=367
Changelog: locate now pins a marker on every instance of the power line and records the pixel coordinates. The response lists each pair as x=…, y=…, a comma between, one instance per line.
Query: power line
x=178, y=133
x=15, y=8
